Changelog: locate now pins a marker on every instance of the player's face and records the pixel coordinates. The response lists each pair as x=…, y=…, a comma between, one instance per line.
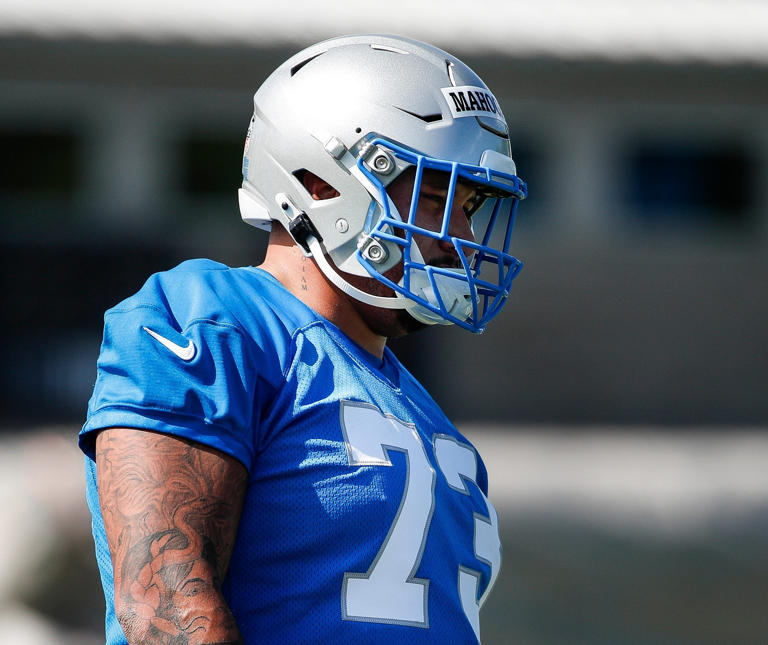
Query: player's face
x=429, y=215
x=430, y=212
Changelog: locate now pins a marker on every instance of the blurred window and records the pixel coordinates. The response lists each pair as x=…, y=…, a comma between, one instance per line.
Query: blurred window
x=693, y=183
x=45, y=164
x=529, y=162
x=210, y=164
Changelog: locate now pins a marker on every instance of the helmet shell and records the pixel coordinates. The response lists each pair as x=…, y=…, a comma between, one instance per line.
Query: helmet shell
x=353, y=88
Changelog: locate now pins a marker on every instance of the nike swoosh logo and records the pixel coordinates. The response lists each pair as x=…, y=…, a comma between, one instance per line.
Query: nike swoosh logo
x=184, y=353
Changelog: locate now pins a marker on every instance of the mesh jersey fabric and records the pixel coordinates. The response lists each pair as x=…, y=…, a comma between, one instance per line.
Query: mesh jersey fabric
x=365, y=506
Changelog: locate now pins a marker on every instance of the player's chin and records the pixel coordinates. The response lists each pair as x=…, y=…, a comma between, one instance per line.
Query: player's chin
x=390, y=323
x=407, y=323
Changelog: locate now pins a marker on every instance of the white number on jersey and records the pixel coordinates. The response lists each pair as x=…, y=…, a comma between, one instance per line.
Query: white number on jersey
x=388, y=592
x=457, y=460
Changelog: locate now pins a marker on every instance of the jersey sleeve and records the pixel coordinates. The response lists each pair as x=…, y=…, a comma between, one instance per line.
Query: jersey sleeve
x=198, y=380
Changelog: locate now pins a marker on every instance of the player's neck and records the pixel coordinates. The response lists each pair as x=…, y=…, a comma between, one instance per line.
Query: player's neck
x=302, y=277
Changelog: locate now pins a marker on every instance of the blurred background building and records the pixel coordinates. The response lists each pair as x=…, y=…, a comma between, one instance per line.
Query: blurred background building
x=642, y=131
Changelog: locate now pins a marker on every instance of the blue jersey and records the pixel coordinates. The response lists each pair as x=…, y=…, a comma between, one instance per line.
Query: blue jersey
x=365, y=518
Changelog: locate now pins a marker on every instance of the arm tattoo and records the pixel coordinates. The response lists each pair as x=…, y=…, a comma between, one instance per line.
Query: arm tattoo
x=171, y=509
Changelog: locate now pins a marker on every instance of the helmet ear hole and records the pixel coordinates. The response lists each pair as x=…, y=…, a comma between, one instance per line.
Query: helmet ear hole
x=317, y=187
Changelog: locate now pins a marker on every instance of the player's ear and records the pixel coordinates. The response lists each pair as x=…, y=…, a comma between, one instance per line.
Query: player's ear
x=318, y=188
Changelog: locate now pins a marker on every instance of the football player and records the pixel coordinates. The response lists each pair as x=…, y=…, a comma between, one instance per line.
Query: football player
x=260, y=467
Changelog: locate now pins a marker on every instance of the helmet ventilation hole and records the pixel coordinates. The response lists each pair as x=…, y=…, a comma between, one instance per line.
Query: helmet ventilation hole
x=449, y=66
x=298, y=66
x=387, y=48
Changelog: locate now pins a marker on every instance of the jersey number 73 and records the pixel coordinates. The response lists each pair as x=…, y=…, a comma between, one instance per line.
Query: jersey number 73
x=389, y=592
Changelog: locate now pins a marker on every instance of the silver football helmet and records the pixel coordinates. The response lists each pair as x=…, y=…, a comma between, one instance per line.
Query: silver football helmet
x=357, y=111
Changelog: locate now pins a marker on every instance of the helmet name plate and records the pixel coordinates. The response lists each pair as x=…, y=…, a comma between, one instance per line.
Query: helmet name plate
x=470, y=100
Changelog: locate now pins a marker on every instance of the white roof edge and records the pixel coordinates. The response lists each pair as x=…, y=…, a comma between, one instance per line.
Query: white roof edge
x=672, y=30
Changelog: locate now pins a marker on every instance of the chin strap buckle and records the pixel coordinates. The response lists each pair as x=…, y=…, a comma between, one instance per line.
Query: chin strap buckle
x=300, y=226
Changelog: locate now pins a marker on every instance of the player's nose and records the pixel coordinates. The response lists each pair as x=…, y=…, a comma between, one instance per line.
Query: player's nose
x=459, y=226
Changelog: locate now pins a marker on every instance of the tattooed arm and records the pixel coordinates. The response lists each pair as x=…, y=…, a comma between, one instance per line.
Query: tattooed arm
x=171, y=509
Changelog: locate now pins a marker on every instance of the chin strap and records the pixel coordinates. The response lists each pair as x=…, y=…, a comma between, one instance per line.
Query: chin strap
x=368, y=298
x=454, y=293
